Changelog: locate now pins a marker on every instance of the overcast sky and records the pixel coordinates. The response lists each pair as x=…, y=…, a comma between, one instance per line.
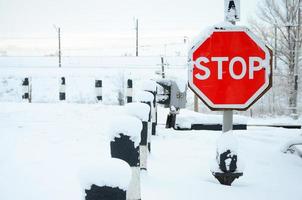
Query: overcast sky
x=99, y=27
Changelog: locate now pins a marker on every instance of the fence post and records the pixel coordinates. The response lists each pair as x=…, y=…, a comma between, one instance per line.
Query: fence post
x=151, y=86
x=147, y=98
x=62, y=89
x=99, y=90
x=26, y=89
x=141, y=111
x=125, y=139
x=129, y=91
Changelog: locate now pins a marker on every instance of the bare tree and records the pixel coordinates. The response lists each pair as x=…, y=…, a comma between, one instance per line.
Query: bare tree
x=278, y=23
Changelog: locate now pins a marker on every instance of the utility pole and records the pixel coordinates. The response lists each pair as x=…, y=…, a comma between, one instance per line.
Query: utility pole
x=59, y=38
x=162, y=67
x=136, y=28
x=58, y=29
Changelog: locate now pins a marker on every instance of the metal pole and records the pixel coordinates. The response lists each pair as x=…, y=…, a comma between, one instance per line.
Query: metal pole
x=228, y=114
x=227, y=121
x=136, y=37
x=59, y=37
x=162, y=67
x=195, y=103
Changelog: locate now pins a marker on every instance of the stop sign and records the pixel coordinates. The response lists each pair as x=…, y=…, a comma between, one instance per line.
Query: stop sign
x=230, y=69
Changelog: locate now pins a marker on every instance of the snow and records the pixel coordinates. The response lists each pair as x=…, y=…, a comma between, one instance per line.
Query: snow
x=45, y=148
x=281, y=120
x=149, y=85
x=110, y=172
x=227, y=141
x=181, y=84
x=292, y=143
x=139, y=110
x=127, y=125
x=143, y=96
x=164, y=81
x=186, y=118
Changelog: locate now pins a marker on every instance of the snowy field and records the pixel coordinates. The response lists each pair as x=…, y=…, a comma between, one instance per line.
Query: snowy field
x=45, y=146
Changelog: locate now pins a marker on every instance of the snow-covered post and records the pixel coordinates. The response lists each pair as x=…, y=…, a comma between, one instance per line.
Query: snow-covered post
x=98, y=90
x=26, y=89
x=147, y=98
x=228, y=164
x=291, y=146
x=151, y=86
x=108, y=179
x=125, y=138
x=129, y=91
x=62, y=89
x=171, y=118
x=141, y=111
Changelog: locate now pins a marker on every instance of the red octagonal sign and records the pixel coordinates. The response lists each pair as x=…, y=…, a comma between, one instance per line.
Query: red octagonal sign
x=230, y=69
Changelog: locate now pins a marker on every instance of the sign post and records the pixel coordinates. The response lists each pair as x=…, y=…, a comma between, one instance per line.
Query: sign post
x=231, y=14
x=229, y=69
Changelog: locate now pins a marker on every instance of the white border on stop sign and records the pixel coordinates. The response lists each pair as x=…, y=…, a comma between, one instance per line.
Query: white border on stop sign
x=259, y=42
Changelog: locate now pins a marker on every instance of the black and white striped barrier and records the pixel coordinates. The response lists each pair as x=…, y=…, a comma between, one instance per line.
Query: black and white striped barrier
x=26, y=90
x=99, y=90
x=141, y=111
x=107, y=179
x=129, y=92
x=125, y=138
x=147, y=98
x=62, y=89
x=151, y=86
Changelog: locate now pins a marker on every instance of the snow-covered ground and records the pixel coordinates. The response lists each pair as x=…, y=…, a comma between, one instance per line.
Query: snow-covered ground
x=43, y=148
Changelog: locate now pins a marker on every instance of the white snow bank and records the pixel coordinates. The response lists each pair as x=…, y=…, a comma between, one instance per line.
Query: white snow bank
x=143, y=96
x=111, y=172
x=139, y=110
x=186, y=118
x=36, y=168
x=149, y=85
x=291, y=143
x=127, y=125
x=281, y=120
x=227, y=141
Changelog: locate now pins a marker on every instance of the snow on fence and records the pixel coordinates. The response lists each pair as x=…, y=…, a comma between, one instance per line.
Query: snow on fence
x=151, y=86
x=125, y=133
x=68, y=89
x=142, y=112
x=147, y=98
